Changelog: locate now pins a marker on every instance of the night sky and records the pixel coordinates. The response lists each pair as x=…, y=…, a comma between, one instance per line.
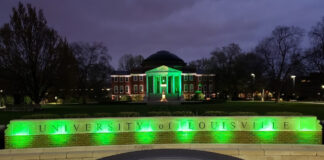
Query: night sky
x=189, y=28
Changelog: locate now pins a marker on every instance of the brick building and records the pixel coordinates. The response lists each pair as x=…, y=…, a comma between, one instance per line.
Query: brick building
x=162, y=72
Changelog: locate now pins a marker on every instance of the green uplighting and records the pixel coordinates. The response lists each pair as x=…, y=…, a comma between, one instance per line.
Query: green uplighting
x=185, y=136
x=148, y=130
x=145, y=137
x=21, y=141
x=59, y=140
x=222, y=137
x=104, y=138
x=266, y=136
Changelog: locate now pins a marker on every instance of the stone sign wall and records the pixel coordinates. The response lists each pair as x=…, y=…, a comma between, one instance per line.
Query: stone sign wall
x=162, y=130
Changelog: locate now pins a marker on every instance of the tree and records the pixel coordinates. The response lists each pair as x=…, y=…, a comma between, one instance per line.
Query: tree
x=93, y=66
x=222, y=63
x=279, y=51
x=29, y=53
x=129, y=62
x=315, y=54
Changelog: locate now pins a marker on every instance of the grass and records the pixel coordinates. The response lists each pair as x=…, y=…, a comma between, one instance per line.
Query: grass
x=261, y=108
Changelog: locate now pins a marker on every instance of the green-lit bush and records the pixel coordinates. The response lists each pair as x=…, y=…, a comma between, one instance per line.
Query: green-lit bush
x=284, y=114
x=182, y=113
x=198, y=96
x=40, y=116
x=102, y=115
x=125, y=98
x=243, y=114
x=27, y=100
x=9, y=100
x=76, y=115
x=215, y=113
x=128, y=114
x=160, y=113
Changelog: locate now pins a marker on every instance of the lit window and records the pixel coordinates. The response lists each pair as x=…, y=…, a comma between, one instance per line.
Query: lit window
x=191, y=88
x=140, y=78
x=141, y=88
x=116, y=89
x=116, y=79
x=126, y=79
x=199, y=87
x=135, y=88
x=135, y=78
x=191, y=77
x=186, y=88
x=126, y=89
x=121, y=89
x=121, y=79
x=185, y=78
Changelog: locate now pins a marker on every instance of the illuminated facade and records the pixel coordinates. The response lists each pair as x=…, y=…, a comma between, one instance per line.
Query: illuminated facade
x=162, y=71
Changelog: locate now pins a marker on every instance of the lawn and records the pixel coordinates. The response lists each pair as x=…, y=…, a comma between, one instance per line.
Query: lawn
x=198, y=109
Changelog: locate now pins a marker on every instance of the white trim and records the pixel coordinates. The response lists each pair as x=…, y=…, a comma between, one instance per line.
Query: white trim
x=139, y=74
x=120, y=75
x=196, y=74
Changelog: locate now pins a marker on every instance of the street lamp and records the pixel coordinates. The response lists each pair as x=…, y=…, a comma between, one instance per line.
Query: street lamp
x=253, y=78
x=293, y=77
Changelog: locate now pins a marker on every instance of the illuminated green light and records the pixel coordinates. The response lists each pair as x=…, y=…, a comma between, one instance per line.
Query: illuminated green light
x=145, y=137
x=222, y=137
x=59, y=139
x=185, y=136
x=21, y=141
x=266, y=136
x=306, y=124
x=186, y=125
x=104, y=138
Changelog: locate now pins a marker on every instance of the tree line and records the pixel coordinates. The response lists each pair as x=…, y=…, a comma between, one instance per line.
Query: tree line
x=37, y=62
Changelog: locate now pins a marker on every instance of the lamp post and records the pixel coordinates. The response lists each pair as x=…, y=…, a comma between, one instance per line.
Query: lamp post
x=253, y=80
x=322, y=87
x=293, y=77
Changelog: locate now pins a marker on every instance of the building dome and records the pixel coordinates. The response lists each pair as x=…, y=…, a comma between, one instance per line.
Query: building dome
x=163, y=58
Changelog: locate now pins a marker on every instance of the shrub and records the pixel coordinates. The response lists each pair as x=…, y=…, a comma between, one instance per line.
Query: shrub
x=137, y=98
x=76, y=115
x=9, y=100
x=160, y=113
x=198, y=96
x=128, y=114
x=125, y=98
x=102, y=115
x=243, y=114
x=40, y=116
x=215, y=113
x=284, y=114
x=27, y=100
x=182, y=113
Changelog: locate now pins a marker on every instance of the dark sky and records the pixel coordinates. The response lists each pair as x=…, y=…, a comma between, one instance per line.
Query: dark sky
x=189, y=28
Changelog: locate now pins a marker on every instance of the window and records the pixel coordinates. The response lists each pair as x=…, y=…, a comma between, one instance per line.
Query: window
x=199, y=88
x=116, y=89
x=185, y=78
x=205, y=88
x=135, y=88
x=199, y=78
x=121, y=79
x=126, y=89
x=116, y=79
x=186, y=88
x=121, y=89
x=135, y=78
x=126, y=79
x=210, y=88
x=140, y=78
x=141, y=88
x=191, y=88
x=191, y=77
